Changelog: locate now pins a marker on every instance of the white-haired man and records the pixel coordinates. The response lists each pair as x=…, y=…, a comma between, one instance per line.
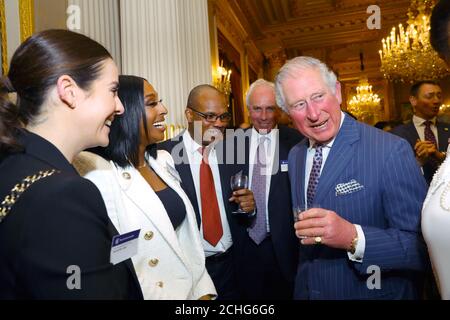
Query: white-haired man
x=367, y=186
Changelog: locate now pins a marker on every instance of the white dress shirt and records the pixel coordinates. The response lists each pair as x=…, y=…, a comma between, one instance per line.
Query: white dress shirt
x=270, y=145
x=195, y=160
x=360, y=247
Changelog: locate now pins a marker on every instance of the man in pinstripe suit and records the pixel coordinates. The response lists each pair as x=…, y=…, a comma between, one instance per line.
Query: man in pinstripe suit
x=364, y=241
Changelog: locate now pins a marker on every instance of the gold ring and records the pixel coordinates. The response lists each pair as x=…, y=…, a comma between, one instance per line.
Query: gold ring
x=318, y=240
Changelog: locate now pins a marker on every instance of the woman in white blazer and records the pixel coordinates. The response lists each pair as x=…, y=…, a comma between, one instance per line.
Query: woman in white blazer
x=141, y=190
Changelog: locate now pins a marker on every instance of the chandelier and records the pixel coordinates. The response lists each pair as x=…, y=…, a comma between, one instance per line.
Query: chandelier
x=365, y=104
x=408, y=55
x=222, y=80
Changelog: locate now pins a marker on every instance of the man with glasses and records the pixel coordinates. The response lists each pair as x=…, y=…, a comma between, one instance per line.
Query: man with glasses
x=360, y=237
x=205, y=177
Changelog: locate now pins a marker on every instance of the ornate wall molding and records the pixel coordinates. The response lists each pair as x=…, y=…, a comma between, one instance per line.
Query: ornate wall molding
x=4, y=44
x=26, y=13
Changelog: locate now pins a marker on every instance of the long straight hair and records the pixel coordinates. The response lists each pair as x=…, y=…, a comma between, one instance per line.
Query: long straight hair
x=124, y=137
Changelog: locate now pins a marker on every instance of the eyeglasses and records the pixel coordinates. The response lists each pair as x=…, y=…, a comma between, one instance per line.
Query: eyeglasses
x=212, y=117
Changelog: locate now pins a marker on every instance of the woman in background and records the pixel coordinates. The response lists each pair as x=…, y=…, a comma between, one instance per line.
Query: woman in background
x=141, y=189
x=55, y=235
x=436, y=208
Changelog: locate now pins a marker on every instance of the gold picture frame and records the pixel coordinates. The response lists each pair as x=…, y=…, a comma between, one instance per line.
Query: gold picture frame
x=4, y=44
x=26, y=13
x=26, y=16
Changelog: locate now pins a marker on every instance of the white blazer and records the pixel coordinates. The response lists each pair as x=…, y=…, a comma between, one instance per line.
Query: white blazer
x=170, y=264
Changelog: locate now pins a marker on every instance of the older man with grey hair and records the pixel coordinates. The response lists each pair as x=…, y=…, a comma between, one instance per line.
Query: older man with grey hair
x=363, y=192
x=268, y=250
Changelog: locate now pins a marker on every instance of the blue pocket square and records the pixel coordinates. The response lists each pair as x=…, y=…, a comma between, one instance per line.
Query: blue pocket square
x=348, y=187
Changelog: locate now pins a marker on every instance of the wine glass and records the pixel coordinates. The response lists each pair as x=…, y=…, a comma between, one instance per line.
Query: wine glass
x=239, y=181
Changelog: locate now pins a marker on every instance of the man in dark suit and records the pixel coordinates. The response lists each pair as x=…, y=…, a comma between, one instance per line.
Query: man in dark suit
x=205, y=177
x=427, y=137
x=364, y=241
x=267, y=264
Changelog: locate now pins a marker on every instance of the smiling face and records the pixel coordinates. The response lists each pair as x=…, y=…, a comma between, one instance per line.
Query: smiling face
x=429, y=99
x=99, y=105
x=155, y=113
x=263, y=108
x=312, y=105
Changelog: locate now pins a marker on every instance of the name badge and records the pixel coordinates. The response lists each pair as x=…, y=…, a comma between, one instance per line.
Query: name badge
x=284, y=166
x=124, y=246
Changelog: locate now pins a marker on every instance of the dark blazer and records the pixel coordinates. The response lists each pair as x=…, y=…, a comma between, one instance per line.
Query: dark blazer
x=176, y=148
x=387, y=205
x=221, y=270
x=285, y=243
x=409, y=133
x=60, y=221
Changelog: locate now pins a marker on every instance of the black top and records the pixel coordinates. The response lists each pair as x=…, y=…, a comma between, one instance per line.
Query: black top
x=174, y=206
x=58, y=228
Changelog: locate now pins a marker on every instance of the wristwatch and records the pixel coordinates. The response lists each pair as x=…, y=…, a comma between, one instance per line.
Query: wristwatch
x=353, y=245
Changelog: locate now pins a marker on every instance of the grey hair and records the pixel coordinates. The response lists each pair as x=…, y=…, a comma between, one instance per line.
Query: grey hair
x=254, y=85
x=293, y=69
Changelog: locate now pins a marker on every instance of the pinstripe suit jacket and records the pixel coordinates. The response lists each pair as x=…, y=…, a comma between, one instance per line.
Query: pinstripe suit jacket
x=387, y=208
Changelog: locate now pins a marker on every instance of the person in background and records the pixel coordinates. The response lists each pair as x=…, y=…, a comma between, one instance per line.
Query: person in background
x=387, y=125
x=55, y=234
x=142, y=191
x=205, y=177
x=268, y=248
x=363, y=191
x=427, y=137
x=436, y=208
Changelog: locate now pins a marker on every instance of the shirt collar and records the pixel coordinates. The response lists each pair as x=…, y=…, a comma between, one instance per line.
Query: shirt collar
x=191, y=145
x=329, y=144
x=418, y=121
x=269, y=136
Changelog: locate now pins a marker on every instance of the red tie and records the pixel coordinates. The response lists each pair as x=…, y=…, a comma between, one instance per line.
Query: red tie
x=212, y=225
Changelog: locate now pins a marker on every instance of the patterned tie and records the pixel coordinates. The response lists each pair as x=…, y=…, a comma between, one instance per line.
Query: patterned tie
x=429, y=135
x=212, y=225
x=315, y=175
x=258, y=230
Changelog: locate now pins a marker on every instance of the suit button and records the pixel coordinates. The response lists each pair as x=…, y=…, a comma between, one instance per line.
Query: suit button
x=160, y=284
x=148, y=235
x=126, y=176
x=153, y=262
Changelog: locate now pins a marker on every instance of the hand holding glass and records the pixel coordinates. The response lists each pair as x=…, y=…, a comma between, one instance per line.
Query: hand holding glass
x=239, y=181
x=297, y=210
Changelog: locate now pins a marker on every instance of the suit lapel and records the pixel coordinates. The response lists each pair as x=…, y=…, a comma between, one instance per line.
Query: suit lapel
x=443, y=136
x=187, y=181
x=340, y=154
x=300, y=172
x=141, y=194
x=281, y=153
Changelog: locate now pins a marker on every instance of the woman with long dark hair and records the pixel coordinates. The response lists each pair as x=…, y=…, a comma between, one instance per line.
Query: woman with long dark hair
x=55, y=235
x=142, y=190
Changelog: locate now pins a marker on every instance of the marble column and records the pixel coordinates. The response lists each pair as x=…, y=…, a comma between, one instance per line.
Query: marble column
x=167, y=42
x=100, y=21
